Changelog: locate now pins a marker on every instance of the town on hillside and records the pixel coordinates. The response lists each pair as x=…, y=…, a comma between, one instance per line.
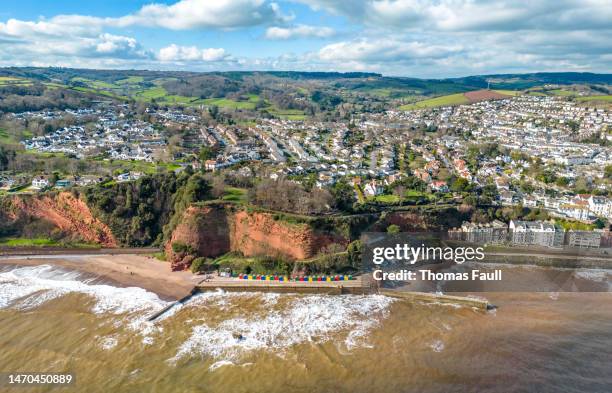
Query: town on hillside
x=520, y=156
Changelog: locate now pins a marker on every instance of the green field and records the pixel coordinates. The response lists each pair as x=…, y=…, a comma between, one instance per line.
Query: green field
x=138, y=166
x=42, y=242
x=5, y=137
x=173, y=99
x=415, y=193
x=536, y=93
x=152, y=93
x=451, y=99
x=595, y=98
x=130, y=80
x=387, y=198
x=234, y=194
x=27, y=242
x=96, y=84
x=512, y=93
x=9, y=80
x=52, y=85
x=160, y=95
x=288, y=114
x=227, y=103
x=105, y=93
x=560, y=92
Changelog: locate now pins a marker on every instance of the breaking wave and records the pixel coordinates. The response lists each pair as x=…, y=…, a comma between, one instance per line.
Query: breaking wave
x=224, y=325
x=301, y=319
x=29, y=287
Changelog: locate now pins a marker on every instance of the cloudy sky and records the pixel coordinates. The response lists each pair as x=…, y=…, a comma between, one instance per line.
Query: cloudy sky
x=420, y=38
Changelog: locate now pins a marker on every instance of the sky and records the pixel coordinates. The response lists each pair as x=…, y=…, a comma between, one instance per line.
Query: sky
x=414, y=38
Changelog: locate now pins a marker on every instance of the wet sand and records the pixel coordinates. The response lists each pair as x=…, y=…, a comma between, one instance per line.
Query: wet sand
x=125, y=270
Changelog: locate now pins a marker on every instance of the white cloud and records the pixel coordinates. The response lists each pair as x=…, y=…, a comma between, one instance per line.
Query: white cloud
x=51, y=28
x=400, y=37
x=384, y=49
x=177, y=53
x=198, y=14
x=299, y=31
x=31, y=40
x=112, y=44
x=472, y=15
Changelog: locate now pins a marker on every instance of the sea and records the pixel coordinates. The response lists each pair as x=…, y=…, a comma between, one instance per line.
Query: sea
x=58, y=320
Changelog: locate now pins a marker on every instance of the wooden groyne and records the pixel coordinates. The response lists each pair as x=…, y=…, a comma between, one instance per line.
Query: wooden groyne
x=164, y=310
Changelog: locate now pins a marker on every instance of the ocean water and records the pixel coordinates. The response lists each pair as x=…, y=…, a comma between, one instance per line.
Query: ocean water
x=52, y=319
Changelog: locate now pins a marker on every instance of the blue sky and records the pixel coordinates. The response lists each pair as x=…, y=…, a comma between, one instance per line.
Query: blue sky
x=418, y=38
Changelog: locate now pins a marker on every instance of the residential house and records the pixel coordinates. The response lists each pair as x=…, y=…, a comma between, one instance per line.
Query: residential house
x=495, y=232
x=439, y=185
x=372, y=188
x=600, y=206
x=583, y=239
x=536, y=233
x=40, y=182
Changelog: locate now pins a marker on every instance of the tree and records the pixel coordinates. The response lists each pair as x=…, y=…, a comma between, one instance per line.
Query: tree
x=214, y=112
x=207, y=153
x=461, y=185
x=6, y=156
x=344, y=195
x=562, y=181
x=355, y=250
x=289, y=196
x=581, y=186
x=489, y=193
x=197, y=188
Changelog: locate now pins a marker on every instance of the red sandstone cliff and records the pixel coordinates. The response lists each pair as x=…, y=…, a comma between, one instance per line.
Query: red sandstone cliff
x=68, y=213
x=205, y=230
x=213, y=230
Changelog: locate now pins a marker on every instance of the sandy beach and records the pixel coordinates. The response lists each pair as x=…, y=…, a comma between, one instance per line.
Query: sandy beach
x=125, y=270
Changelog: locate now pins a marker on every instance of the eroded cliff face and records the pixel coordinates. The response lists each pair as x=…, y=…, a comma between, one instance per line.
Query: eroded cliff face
x=66, y=212
x=211, y=231
x=203, y=231
x=259, y=234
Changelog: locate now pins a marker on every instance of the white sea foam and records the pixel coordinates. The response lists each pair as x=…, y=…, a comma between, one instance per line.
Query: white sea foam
x=226, y=300
x=220, y=363
x=49, y=282
x=277, y=322
x=437, y=346
x=313, y=318
x=108, y=343
x=31, y=286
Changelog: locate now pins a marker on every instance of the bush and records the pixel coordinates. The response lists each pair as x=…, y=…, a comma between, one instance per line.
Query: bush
x=182, y=248
x=200, y=265
x=393, y=228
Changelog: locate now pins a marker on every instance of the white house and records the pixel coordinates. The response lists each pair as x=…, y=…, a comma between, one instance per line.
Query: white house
x=600, y=206
x=538, y=233
x=40, y=182
x=372, y=189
